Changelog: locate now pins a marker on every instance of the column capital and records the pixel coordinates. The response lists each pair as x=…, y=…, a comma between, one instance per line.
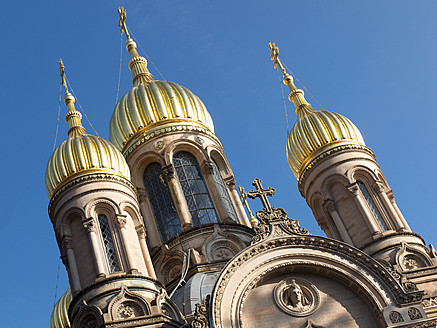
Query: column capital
x=354, y=189
x=90, y=225
x=67, y=242
x=142, y=195
x=121, y=220
x=378, y=186
x=208, y=166
x=141, y=232
x=230, y=181
x=169, y=171
x=330, y=205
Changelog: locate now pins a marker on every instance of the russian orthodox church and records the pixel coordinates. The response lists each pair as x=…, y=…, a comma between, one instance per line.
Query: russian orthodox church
x=153, y=233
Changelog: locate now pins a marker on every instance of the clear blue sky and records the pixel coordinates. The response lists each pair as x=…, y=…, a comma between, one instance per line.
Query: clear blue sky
x=372, y=61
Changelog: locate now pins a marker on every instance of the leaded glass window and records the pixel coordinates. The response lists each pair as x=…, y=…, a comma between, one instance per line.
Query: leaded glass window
x=373, y=208
x=218, y=179
x=108, y=243
x=194, y=189
x=161, y=201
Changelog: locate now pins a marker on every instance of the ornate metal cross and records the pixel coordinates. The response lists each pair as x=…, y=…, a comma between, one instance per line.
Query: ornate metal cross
x=64, y=82
x=274, y=55
x=262, y=194
x=122, y=21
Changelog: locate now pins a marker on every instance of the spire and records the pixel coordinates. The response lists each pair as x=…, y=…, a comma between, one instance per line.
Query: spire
x=296, y=95
x=73, y=117
x=137, y=64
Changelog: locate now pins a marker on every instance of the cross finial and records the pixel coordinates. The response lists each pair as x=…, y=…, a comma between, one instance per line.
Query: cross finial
x=64, y=82
x=274, y=55
x=262, y=194
x=122, y=21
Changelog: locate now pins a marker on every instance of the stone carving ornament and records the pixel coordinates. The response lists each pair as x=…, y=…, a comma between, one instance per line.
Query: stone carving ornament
x=297, y=297
x=395, y=317
x=129, y=309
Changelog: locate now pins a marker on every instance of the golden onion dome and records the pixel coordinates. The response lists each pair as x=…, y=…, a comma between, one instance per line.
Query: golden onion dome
x=59, y=317
x=315, y=131
x=81, y=154
x=152, y=104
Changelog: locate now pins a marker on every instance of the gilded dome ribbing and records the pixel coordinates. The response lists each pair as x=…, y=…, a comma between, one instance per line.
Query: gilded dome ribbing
x=153, y=104
x=315, y=131
x=81, y=154
x=59, y=318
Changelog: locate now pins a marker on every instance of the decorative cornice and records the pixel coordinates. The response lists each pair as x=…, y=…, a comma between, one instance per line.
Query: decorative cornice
x=317, y=160
x=97, y=177
x=395, y=233
x=173, y=126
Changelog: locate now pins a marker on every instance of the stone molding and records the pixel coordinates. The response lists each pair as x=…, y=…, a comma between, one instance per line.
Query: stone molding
x=201, y=314
x=90, y=178
x=343, y=148
x=146, y=136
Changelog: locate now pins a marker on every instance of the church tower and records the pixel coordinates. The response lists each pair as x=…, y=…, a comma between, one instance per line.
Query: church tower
x=98, y=226
x=340, y=179
x=191, y=209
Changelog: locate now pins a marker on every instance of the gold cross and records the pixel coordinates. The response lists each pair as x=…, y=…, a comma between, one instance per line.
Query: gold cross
x=64, y=82
x=122, y=21
x=262, y=194
x=274, y=55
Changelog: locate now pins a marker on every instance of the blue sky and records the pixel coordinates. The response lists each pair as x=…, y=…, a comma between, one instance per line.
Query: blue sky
x=371, y=61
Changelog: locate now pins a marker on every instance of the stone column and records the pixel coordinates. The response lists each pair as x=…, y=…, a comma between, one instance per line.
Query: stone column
x=220, y=206
x=332, y=209
x=391, y=198
x=148, y=218
x=178, y=197
x=145, y=250
x=121, y=220
x=67, y=244
x=378, y=186
x=90, y=226
x=230, y=183
x=363, y=208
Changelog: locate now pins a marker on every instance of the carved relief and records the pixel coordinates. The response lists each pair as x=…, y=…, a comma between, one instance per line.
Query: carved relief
x=199, y=140
x=428, y=302
x=297, y=297
x=395, y=317
x=201, y=314
x=87, y=317
x=414, y=313
x=408, y=258
x=159, y=145
x=128, y=305
x=129, y=309
x=67, y=243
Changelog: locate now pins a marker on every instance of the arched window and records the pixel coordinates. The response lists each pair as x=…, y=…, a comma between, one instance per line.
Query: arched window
x=161, y=201
x=194, y=189
x=373, y=208
x=218, y=179
x=108, y=243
